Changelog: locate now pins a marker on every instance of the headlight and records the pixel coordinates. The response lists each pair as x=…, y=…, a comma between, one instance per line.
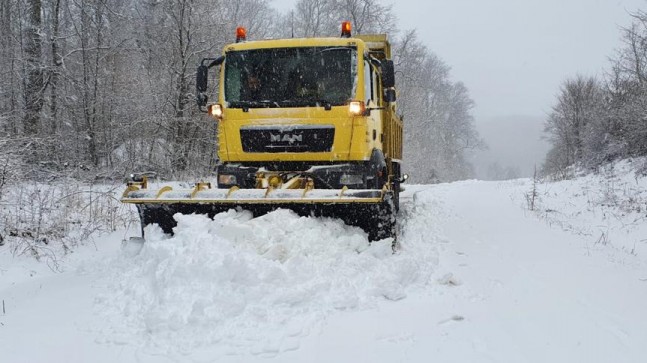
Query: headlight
x=351, y=179
x=227, y=179
x=215, y=111
x=356, y=108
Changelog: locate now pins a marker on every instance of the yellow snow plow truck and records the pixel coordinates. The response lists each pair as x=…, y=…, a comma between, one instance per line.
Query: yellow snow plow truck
x=305, y=124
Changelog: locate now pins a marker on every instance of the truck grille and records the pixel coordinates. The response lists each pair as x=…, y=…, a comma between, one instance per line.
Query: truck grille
x=273, y=139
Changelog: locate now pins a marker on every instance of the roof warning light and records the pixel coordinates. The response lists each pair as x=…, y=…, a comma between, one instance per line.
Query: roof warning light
x=241, y=34
x=345, y=29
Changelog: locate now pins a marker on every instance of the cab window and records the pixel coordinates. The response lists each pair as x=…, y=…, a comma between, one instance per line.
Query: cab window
x=368, y=82
x=375, y=82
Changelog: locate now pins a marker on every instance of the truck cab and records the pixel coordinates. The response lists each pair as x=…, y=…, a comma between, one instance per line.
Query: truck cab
x=324, y=107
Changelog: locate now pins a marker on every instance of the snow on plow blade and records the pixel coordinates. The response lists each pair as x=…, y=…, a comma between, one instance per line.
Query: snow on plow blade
x=371, y=210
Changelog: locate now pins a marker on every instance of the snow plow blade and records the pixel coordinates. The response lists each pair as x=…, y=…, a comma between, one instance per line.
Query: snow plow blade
x=368, y=209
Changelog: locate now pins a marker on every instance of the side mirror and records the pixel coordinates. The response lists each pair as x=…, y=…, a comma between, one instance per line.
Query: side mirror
x=201, y=77
x=404, y=178
x=388, y=73
x=389, y=95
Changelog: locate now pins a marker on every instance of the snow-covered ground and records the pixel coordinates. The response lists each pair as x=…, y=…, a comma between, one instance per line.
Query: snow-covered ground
x=478, y=278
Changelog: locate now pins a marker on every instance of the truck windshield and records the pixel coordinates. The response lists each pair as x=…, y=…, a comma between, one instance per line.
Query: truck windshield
x=290, y=77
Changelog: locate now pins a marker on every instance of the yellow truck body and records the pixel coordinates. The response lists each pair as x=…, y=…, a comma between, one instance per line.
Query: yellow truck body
x=308, y=124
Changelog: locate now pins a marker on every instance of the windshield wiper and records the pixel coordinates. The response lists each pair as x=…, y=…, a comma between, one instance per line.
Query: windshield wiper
x=306, y=102
x=333, y=49
x=299, y=102
x=324, y=103
x=253, y=104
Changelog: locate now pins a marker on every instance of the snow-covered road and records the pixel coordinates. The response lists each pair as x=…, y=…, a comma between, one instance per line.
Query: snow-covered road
x=531, y=293
x=478, y=278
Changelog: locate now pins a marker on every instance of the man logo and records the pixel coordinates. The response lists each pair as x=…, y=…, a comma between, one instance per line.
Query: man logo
x=286, y=138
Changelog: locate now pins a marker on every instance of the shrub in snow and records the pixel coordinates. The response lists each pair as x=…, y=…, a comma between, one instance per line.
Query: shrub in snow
x=51, y=220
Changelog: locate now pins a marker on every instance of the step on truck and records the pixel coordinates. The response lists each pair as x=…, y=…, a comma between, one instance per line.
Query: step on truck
x=307, y=124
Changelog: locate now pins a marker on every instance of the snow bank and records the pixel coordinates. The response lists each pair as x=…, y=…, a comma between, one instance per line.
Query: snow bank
x=609, y=208
x=254, y=284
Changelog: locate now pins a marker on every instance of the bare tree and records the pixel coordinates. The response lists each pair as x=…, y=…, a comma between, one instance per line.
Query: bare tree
x=578, y=106
x=439, y=128
x=34, y=84
x=368, y=16
x=628, y=88
x=314, y=17
x=9, y=87
x=56, y=63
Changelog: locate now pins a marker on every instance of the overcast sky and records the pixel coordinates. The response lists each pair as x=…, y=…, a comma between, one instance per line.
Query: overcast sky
x=513, y=54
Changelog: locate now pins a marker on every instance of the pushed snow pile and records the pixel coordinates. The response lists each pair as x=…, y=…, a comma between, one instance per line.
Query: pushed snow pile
x=254, y=284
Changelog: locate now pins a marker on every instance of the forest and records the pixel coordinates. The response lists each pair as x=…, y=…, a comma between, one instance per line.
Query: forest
x=597, y=119
x=96, y=89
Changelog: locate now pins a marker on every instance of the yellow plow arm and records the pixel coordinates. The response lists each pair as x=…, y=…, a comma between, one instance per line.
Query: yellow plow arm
x=371, y=210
